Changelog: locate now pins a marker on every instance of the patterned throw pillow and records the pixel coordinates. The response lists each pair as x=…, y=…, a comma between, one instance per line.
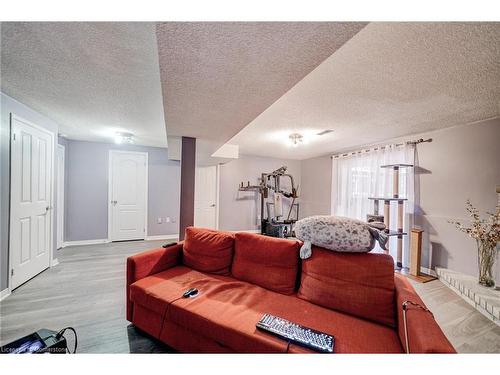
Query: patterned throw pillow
x=337, y=233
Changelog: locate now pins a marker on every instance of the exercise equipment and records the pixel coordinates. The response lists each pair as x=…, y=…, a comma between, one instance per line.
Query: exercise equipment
x=278, y=222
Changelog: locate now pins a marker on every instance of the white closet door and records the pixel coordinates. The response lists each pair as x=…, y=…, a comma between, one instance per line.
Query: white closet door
x=128, y=195
x=205, y=201
x=31, y=200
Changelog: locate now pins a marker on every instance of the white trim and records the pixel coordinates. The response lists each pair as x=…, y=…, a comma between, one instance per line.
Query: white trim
x=4, y=294
x=428, y=271
x=86, y=242
x=54, y=262
x=110, y=184
x=52, y=193
x=217, y=196
x=63, y=149
x=163, y=237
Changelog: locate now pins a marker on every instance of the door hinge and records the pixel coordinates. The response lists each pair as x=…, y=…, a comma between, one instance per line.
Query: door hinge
x=12, y=272
x=13, y=136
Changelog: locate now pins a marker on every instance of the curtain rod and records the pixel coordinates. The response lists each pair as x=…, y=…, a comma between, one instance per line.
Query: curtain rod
x=414, y=142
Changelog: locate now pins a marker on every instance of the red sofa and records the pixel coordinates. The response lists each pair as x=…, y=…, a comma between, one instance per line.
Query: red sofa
x=357, y=298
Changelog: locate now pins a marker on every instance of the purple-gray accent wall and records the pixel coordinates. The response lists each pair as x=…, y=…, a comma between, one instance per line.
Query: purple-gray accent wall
x=86, y=188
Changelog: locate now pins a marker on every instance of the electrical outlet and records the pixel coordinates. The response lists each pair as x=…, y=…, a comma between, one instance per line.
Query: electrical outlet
x=167, y=219
x=159, y=220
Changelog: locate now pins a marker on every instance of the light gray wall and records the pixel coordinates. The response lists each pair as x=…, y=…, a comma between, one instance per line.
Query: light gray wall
x=87, y=190
x=461, y=163
x=316, y=180
x=239, y=210
x=9, y=105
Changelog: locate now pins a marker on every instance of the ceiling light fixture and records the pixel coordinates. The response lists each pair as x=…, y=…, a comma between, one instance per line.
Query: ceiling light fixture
x=123, y=137
x=295, y=139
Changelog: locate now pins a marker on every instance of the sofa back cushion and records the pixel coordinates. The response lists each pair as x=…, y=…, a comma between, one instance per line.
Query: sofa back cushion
x=269, y=262
x=357, y=284
x=208, y=250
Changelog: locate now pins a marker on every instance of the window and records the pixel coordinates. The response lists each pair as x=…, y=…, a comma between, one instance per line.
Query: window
x=358, y=176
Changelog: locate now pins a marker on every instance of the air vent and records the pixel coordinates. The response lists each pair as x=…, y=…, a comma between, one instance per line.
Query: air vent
x=325, y=132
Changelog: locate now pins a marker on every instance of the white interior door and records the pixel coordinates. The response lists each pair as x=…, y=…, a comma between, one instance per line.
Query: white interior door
x=205, y=197
x=31, y=200
x=60, y=195
x=128, y=195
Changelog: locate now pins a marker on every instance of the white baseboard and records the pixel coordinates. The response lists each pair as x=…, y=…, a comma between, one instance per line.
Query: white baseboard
x=163, y=237
x=54, y=262
x=86, y=242
x=428, y=271
x=4, y=294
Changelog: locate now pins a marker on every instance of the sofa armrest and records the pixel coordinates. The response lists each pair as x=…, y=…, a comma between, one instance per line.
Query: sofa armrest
x=148, y=263
x=423, y=334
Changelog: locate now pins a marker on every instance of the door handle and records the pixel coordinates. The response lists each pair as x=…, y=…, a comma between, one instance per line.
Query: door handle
x=47, y=209
x=114, y=203
x=212, y=205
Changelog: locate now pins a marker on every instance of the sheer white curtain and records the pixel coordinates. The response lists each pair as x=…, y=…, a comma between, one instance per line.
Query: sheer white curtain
x=357, y=177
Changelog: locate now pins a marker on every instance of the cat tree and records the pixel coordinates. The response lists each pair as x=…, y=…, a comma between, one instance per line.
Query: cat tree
x=387, y=210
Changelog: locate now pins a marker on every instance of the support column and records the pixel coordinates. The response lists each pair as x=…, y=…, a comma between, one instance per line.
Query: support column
x=188, y=170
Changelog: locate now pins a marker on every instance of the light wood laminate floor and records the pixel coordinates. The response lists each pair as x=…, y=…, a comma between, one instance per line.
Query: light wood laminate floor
x=87, y=291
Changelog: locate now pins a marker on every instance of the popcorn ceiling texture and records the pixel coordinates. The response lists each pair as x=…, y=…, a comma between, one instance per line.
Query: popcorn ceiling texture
x=218, y=76
x=88, y=77
x=368, y=83
x=389, y=80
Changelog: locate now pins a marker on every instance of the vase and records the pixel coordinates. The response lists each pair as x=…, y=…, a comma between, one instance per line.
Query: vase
x=486, y=259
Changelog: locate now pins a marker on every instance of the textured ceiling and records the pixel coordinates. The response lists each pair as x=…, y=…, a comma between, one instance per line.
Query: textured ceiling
x=389, y=80
x=91, y=78
x=217, y=77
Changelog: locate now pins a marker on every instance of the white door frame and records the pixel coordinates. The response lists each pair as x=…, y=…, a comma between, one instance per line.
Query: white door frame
x=110, y=188
x=217, y=196
x=61, y=148
x=52, y=261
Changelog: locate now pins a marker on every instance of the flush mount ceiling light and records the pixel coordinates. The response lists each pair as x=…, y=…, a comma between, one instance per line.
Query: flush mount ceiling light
x=295, y=139
x=123, y=137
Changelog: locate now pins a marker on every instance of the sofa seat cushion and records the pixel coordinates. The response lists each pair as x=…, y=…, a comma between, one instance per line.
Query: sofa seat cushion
x=226, y=310
x=271, y=263
x=357, y=284
x=208, y=250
